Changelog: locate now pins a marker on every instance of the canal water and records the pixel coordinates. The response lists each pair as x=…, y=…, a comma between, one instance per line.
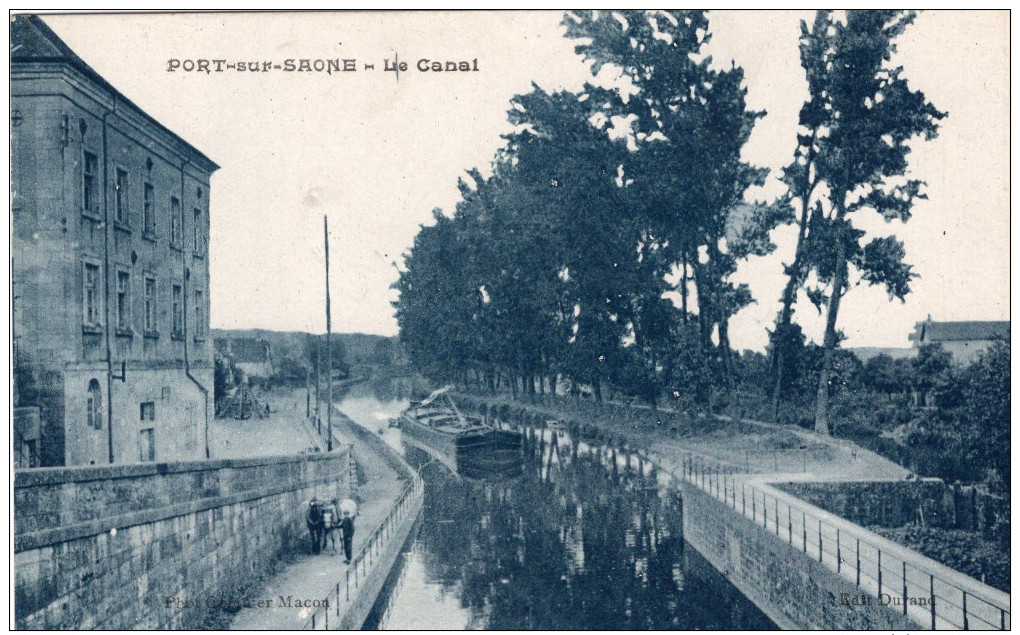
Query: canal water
x=588, y=536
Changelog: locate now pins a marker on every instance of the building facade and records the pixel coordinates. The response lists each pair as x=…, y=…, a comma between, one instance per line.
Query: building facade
x=965, y=340
x=113, y=361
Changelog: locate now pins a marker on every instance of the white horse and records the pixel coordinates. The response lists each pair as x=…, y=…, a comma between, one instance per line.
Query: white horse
x=331, y=526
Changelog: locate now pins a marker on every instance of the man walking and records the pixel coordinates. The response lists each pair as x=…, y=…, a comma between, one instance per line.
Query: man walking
x=347, y=527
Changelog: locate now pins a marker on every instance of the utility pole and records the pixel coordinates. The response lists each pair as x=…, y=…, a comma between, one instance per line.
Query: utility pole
x=329, y=347
x=318, y=378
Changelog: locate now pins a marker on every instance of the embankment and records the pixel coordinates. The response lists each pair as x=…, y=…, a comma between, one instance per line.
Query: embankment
x=108, y=547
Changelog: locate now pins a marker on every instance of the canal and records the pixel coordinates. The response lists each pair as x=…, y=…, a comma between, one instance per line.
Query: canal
x=587, y=536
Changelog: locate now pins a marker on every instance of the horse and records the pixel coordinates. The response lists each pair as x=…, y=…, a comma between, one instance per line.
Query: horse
x=331, y=525
x=316, y=525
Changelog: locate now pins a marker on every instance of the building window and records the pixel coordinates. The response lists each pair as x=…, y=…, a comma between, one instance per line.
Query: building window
x=123, y=300
x=150, y=304
x=90, y=294
x=198, y=231
x=147, y=410
x=178, y=311
x=94, y=406
x=121, y=196
x=176, y=223
x=90, y=200
x=199, y=327
x=148, y=212
x=147, y=445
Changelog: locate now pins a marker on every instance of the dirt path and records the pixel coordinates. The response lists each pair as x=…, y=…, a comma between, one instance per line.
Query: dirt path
x=750, y=446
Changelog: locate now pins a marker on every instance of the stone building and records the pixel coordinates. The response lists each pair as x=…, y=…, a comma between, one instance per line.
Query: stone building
x=110, y=269
x=965, y=340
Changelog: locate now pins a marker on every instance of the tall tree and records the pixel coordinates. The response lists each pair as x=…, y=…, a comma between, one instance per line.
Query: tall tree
x=572, y=166
x=688, y=124
x=860, y=154
x=802, y=180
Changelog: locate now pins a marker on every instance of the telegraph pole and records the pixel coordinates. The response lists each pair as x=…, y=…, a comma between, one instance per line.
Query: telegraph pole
x=329, y=347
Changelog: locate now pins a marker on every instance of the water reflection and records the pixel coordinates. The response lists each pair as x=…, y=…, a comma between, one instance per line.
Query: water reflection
x=585, y=538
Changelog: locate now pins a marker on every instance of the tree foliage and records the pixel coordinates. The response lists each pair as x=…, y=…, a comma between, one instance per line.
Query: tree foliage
x=851, y=159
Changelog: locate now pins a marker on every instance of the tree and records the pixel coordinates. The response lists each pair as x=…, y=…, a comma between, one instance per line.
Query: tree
x=802, y=179
x=860, y=155
x=688, y=123
x=986, y=402
x=931, y=371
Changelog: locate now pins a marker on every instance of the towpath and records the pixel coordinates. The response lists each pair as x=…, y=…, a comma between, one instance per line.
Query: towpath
x=308, y=576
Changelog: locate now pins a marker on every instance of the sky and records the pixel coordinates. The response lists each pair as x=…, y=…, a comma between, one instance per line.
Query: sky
x=377, y=151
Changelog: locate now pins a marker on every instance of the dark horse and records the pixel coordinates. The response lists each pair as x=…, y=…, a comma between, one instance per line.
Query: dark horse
x=316, y=524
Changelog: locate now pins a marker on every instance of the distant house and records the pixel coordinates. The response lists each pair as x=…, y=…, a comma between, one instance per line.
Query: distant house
x=965, y=340
x=252, y=355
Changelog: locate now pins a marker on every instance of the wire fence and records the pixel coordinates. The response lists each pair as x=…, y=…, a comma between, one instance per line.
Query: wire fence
x=334, y=606
x=923, y=593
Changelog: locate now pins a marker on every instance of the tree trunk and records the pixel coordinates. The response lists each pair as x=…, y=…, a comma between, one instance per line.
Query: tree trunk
x=683, y=286
x=786, y=313
x=839, y=280
x=704, y=310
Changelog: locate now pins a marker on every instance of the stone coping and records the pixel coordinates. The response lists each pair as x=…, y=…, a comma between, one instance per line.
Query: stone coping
x=35, y=477
x=42, y=538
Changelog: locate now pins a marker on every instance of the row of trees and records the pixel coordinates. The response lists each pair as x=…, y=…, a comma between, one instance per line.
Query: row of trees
x=602, y=247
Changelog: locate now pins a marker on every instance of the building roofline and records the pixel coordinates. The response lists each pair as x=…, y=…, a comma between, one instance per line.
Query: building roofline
x=70, y=58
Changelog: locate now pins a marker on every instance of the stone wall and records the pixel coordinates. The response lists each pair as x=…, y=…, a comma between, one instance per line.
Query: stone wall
x=900, y=503
x=105, y=547
x=792, y=588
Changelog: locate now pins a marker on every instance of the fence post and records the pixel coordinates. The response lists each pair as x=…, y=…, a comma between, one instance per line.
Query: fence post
x=966, y=622
x=803, y=520
x=754, y=507
x=819, y=540
x=743, y=500
x=789, y=521
x=839, y=555
x=931, y=589
x=777, y=517
x=880, y=572
x=859, y=564
x=338, y=599
x=904, y=587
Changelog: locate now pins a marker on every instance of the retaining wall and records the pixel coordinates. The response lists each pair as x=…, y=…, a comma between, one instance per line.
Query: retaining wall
x=793, y=589
x=105, y=547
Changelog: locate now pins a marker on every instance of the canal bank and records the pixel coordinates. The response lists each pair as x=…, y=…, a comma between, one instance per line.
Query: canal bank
x=789, y=557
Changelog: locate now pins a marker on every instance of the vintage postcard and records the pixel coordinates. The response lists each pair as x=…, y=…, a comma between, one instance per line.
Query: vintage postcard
x=426, y=320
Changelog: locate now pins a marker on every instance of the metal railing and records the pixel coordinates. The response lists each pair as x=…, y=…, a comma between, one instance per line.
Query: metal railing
x=923, y=593
x=335, y=605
